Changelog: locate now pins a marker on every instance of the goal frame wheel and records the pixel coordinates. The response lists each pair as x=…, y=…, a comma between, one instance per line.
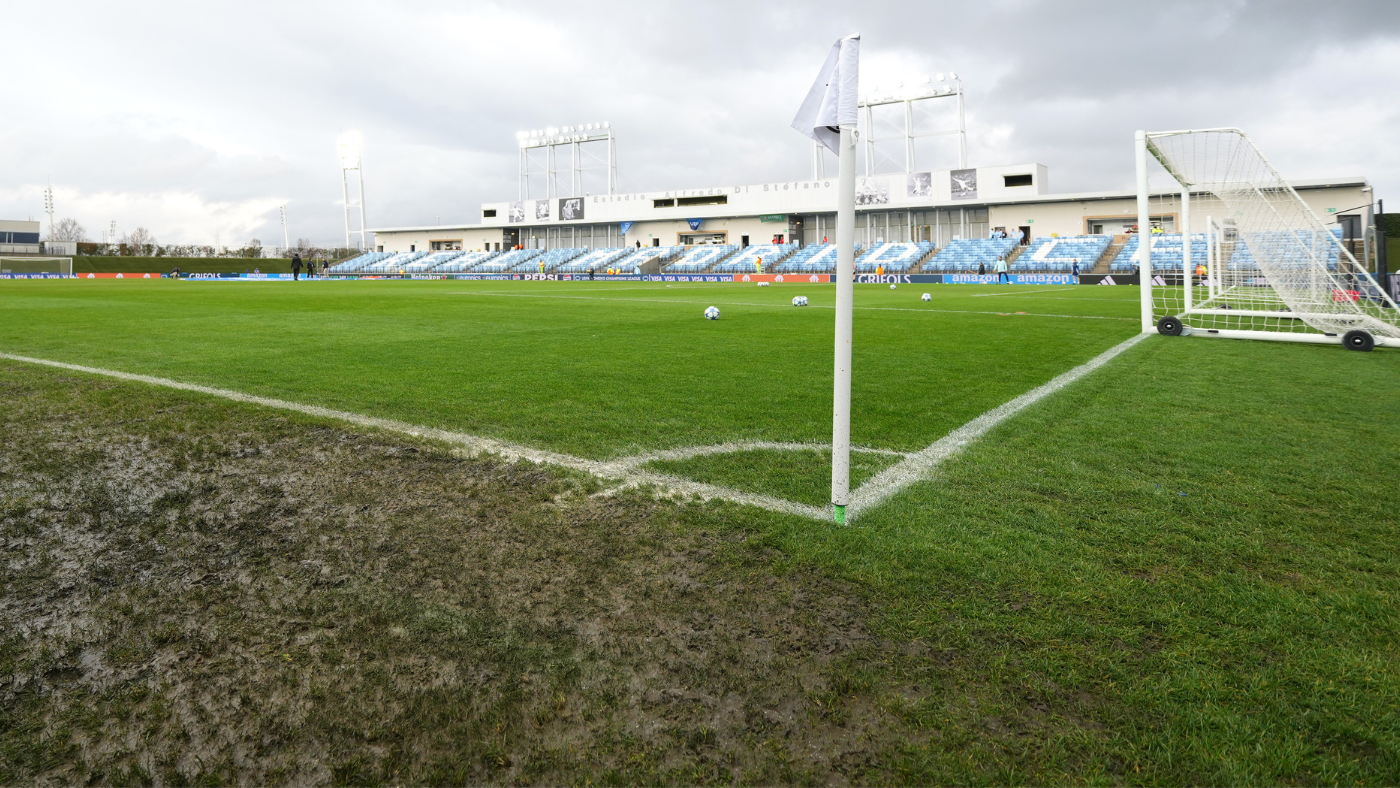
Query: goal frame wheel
x=1170, y=326
x=1358, y=340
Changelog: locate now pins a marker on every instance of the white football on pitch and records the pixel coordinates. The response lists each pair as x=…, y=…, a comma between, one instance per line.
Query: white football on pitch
x=892, y=287
x=926, y=297
x=762, y=284
x=712, y=313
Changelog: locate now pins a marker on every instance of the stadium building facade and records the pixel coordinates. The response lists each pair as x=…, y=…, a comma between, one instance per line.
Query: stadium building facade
x=935, y=208
x=19, y=237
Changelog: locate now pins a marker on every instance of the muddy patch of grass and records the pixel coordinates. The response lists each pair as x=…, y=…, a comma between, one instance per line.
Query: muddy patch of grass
x=195, y=591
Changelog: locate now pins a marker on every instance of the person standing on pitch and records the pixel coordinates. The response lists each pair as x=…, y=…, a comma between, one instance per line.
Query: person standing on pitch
x=1076, y=270
x=296, y=266
x=1001, y=271
x=981, y=268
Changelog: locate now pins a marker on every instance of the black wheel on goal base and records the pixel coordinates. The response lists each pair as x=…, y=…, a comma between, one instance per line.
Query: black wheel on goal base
x=1358, y=340
x=1169, y=327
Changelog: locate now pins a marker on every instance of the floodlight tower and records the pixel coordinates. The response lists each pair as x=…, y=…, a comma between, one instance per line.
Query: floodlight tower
x=286, y=237
x=538, y=156
x=913, y=100
x=48, y=208
x=350, y=162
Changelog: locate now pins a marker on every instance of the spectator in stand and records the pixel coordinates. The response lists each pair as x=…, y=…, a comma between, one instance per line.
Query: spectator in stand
x=758, y=265
x=1075, y=270
x=296, y=265
x=1001, y=271
x=879, y=270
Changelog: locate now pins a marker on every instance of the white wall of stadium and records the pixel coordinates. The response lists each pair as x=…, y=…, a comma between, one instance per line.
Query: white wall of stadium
x=937, y=206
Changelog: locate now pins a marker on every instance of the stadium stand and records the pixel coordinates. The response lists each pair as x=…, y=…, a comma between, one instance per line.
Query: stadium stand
x=359, y=263
x=1057, y=255
x=506, y=261
x=743, y=262
x=391, y=264
x=646, y=254
x=962, y=255
x=1166, y=252
x=814, y=259
x=431, y=261
x=551, y=260
x=464, y=263
x=894, y=258
x=598, y=260
x=1295, y=252
x=700, y=258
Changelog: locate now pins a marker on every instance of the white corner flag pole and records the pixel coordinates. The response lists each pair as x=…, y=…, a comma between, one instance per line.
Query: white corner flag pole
x=828, y=115
x=845, y=298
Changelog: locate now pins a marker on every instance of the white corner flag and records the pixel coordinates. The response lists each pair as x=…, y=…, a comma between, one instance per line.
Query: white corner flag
x=829, y=115
x=831, y=103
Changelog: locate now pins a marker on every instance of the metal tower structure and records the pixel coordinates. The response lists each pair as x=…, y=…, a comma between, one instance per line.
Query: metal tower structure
x=286, y=236
x=354, y=196
x=912, y=125
x=539, y=156
x=48, y=208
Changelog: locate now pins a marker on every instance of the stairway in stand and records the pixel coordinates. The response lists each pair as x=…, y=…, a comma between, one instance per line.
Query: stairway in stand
x=1109, y=255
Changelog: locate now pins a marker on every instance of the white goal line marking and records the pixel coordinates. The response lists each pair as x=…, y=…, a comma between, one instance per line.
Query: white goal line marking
x=911, y=468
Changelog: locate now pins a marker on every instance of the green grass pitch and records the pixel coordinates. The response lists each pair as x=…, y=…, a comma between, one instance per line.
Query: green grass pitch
x=1179, y=569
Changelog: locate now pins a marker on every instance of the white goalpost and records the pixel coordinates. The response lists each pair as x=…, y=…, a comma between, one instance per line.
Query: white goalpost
x=1257, y=263
x=36, y=265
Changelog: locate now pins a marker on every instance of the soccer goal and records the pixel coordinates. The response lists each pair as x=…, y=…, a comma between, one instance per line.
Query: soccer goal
x=1257, y=262
x=36, y=265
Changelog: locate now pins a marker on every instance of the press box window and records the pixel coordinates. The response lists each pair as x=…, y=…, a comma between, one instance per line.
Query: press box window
x=668, y=203
x=718, y=199
x=488, y=213
x=1017, y=180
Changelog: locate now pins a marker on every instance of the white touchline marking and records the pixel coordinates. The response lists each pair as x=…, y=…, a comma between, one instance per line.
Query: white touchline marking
x=910, y=469
x=789, y=306
x=920, y=465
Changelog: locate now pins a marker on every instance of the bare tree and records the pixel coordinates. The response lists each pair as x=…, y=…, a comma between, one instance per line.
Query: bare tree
x=140, y=241
x=67, y=230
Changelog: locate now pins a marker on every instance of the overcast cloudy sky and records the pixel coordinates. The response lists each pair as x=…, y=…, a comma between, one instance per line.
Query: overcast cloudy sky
x=197, y=120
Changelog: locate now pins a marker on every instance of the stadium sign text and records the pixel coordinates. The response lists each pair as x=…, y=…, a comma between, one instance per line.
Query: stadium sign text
x=1016, y=279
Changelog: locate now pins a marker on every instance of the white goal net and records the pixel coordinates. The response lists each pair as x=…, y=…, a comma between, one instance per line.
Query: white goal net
x=36, y=265
x=1250, y=258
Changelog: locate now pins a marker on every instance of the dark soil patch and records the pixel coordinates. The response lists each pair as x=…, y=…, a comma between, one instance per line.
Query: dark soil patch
x=195, y=591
